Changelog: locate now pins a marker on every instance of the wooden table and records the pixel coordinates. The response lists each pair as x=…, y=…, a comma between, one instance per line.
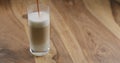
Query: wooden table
x=82, y=31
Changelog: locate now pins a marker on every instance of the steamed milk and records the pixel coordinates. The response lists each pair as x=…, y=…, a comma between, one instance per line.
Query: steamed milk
x=39, y=31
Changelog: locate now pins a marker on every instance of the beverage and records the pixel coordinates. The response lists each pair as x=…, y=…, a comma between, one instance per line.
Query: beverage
x=39, y=29
x=39, y=32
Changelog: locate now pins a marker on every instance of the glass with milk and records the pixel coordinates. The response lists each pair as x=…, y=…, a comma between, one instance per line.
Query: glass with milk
x=39, y=29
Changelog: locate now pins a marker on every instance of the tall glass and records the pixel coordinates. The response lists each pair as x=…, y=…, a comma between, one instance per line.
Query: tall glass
x=39, y=29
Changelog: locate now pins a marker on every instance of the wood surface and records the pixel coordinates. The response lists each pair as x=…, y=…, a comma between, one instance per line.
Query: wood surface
x=82, y=31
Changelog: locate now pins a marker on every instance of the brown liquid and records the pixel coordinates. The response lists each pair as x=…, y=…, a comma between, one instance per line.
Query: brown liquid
x=39, y=38
x=38, y=8
x=39, y=35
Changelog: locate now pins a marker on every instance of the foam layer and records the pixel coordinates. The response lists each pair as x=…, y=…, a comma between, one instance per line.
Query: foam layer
x=40, y=20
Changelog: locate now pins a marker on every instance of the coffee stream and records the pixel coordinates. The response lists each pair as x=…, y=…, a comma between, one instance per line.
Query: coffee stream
x=38, y=8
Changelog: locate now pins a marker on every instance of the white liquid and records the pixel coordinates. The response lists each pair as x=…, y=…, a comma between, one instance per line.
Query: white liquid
x=39, y=21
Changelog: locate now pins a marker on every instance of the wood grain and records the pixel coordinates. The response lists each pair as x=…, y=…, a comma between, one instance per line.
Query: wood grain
x=82, y=31
x=13, y=39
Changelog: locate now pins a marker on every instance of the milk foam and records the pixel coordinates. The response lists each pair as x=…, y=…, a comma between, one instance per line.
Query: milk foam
x=40, y=20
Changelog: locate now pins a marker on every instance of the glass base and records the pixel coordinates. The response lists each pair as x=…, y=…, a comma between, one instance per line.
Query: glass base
x=41, y=53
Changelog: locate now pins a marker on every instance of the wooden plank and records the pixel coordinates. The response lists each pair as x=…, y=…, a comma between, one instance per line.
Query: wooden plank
x=93, y=26
x=105, y=16
x=82, y=31
x=67, y=37
x=13, y=40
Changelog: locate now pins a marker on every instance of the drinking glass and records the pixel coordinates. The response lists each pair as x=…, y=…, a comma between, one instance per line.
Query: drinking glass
x=39, y=29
